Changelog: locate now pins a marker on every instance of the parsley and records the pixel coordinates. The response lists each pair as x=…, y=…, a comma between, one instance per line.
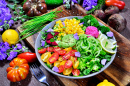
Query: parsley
x=106, y=44
x=53, y=33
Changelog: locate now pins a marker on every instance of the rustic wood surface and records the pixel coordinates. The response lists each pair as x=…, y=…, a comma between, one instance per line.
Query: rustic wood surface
x=118, y=72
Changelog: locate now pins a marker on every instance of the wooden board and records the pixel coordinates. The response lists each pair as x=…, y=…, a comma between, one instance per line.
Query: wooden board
x=118, y=72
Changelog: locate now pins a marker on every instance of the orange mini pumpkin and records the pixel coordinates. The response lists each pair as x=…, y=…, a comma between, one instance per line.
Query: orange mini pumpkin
x=18, y=70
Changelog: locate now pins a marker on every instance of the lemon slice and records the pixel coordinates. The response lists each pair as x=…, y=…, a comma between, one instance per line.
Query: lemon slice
x=101, y=36
x=107, y=45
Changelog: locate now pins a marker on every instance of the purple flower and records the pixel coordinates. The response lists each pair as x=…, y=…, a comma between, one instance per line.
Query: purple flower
x=6, y=44
x=64, y=1
x=12, y=54
x=110, y=34
x=1, y=20
x=19, y=46
x=7, y=16
x=3, y=3
x=43, y=43
x=103, y=61
x=76, y=36
x=11, y=22
x=3, y=49
x=77, y=54
x=50, y=30
x=75, y=1
x=63, y=23
x=1, y=29
x=81, y=23
x=2, y=55
x=55, y=69
x=88, y=8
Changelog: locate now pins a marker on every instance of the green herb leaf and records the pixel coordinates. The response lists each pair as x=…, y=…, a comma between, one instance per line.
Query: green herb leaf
x=106, y=44
x=10, y=6
x=39, y=48
x=53, y=33
x=52, y=40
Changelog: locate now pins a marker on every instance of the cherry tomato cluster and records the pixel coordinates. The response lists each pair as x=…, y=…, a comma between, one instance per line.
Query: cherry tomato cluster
x=64, y=59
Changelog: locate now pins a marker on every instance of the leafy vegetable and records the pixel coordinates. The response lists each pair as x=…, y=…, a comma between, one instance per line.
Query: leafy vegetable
x=89, y=20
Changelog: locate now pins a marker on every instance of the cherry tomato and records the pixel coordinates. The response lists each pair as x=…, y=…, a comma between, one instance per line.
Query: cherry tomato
x=66, y=56
x=63, y=62
x=75, y=72
x=67, y=71
x=72, y=52
x=61, y=52
x=68, y=64
x=50, y=49
x=45, y=56
x=60, y=58
x=56, y=49
x=41, y=51
x=61, y=68
x=75, y=64
x=57, y=63
x=68, y=49
x=54, y=57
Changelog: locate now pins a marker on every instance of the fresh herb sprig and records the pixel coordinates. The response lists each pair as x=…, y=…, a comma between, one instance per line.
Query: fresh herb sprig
x=35, y=25
x=18, y=12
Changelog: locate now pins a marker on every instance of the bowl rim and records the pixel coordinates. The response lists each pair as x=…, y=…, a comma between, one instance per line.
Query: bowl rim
x=69, y=77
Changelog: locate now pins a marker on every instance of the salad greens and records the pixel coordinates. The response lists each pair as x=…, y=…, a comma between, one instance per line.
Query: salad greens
x=89, y=20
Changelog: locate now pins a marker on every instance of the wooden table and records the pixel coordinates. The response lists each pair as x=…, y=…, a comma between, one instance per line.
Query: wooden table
x=93, y=81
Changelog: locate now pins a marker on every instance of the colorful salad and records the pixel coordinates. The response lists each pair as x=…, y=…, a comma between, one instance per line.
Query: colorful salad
x=77, y=47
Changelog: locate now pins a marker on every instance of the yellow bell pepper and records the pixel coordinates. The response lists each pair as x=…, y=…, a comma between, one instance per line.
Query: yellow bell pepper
x=105, y=83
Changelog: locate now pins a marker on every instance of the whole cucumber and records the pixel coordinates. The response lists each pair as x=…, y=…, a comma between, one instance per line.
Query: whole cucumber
x=53, y=2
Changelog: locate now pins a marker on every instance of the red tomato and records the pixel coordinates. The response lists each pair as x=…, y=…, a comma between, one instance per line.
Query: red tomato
x=30, y=57
x=72, y=52
x=50, y=49
x=41, y=51
x=61, y=68
x=61, y=52
x=68, y=64
x=56, y=49
x=54, y=57
x=75, y=72
x=66, y=56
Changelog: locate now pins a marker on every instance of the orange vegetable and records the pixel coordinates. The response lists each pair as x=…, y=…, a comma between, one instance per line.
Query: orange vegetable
x=18, y=70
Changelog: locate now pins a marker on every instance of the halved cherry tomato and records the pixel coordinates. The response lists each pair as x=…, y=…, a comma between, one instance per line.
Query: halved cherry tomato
x=72, y=52
x=75, y=64
x=61, y=52
x=63, y=62
x=66, y=56
x=54, y=57
x=60, y=58
x=50, y=49
x=68, y=49
x=67, y=71
x=45, y=56
x=75, y=72
x=41, y=51
x=68, y=64
x=56, y=49
x=61, y=68
x=57, y=63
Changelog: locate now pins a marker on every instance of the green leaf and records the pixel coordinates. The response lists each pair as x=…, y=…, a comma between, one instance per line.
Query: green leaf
x=39, y=48
x=52, y=40
x=10, y=6
x=53, y=33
